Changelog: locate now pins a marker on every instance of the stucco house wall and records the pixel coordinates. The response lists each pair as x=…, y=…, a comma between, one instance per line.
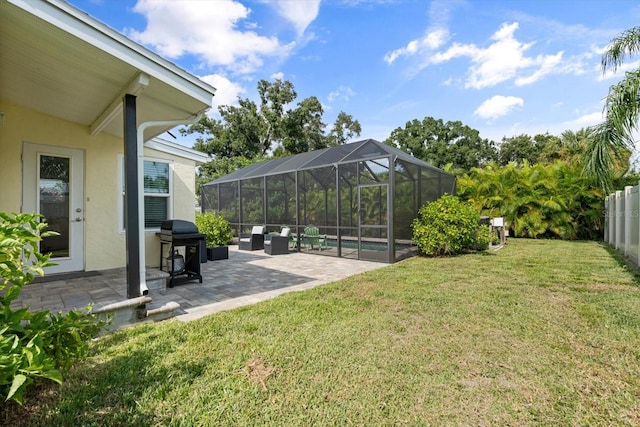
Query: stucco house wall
x=104, y=236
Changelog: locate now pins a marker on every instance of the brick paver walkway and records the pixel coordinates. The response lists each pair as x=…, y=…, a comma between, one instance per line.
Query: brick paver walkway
x=245, y=278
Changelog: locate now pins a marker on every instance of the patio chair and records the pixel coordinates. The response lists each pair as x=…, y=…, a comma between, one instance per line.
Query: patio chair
x=278, y=244
x=252, y=241
x=312, y=237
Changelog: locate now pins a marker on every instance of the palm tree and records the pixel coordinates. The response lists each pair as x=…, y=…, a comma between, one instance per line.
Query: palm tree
x=543, y=200
x=613, y=137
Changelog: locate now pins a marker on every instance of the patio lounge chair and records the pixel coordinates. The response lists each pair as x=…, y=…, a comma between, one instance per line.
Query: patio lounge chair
x=278, y=244
x=252, y=241
x=312, y=237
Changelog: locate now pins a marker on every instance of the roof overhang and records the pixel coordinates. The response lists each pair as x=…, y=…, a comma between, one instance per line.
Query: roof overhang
x=174, y=149
x=60, y=61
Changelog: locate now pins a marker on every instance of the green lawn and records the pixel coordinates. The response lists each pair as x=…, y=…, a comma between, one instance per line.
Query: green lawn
x=538, y=333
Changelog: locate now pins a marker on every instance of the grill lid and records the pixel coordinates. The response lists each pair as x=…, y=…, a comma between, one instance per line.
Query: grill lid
x=178, y=226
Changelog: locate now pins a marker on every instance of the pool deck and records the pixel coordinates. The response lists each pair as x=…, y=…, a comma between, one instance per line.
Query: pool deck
x=245, y=278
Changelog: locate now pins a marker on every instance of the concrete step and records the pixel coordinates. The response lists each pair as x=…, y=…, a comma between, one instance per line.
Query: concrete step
x=156, y=280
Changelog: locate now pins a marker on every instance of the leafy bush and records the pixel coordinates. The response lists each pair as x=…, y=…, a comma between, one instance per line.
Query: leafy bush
x=33, y=345
x=544, y=200
x=216, y=229
x=449, y=226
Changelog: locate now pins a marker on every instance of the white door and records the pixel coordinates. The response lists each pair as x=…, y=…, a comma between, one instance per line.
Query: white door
x=53, y=185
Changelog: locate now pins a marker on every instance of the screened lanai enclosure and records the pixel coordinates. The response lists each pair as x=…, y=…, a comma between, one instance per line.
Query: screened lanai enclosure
x=362, y=198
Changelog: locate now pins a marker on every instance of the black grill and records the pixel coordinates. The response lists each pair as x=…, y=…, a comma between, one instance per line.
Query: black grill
x=179, y=233
x=179, y=229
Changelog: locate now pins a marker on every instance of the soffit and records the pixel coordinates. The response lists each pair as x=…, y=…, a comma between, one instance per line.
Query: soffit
x=46, y=68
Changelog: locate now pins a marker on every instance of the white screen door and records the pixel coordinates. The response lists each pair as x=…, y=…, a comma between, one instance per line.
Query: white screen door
x=53, y=185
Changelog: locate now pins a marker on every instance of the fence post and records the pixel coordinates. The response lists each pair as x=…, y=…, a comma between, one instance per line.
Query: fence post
x=614, y=221
x=606, y=219
x=627, y=219
x=618, y=235
x=635, y=217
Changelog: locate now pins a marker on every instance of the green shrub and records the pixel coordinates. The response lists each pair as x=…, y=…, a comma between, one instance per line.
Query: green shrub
x=449, y=226
x=216, y=229
x=33, y=345
x=541, y=201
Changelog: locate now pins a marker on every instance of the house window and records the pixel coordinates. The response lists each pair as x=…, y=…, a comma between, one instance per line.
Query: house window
x=157, y=193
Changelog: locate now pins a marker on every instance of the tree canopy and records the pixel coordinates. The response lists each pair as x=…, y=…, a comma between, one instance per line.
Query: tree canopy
x=440, y=143
x=274, y=125
x=518, y=149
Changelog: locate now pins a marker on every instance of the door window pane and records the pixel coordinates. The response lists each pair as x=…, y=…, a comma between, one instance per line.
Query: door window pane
x=54, y=203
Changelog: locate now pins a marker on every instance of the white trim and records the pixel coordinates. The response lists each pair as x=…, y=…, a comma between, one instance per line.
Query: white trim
x=135, y=87
x=73, y=21
x=31, y=153
x=169, y=147
x=121, y=228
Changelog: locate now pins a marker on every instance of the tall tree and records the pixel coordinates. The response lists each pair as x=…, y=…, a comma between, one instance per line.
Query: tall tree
x=575, y=144
x=614, y=137
x=247, y=130
x=551, y=148
x=254, y=130
x=441, y=143
x=303, y=128
x=518, y=149
x=344, y=128
x=273, y=99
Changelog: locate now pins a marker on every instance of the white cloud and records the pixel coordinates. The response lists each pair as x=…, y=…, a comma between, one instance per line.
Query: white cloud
x=505, y=59
x=213, y=35
x=494, y=64
x=435, y=36
x=627, y=66
x=354, y=3
x=227, y=92
x=277, y=76
x=547, y=65
x=497, y=106
x=430, y=41
x=343, y=92
x=585, y=120
x=300, y=13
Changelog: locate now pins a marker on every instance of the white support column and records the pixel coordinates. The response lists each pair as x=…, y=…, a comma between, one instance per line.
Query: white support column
x=140, y=161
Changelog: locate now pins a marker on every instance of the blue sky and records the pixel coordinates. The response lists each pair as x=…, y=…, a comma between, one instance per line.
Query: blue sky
x=501, y=67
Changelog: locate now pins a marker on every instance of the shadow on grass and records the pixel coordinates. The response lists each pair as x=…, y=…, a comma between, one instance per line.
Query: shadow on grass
x=110, y=393
x=623, y=261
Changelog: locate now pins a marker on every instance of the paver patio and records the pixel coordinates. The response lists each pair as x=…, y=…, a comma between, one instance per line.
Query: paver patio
x=244, y=278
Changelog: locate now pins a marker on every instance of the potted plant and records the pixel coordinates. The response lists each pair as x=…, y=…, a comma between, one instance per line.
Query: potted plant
x=218, y=234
